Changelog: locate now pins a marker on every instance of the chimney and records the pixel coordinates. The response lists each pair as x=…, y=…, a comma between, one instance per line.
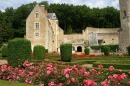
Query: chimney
x=44, y=10
x=42, y=7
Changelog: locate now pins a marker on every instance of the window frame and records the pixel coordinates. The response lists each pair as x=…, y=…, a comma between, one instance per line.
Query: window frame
x=36, y=34
x=37, y=25
x=36, y=15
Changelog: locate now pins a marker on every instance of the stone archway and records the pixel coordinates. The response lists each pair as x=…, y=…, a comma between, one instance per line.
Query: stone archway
x=79, y=49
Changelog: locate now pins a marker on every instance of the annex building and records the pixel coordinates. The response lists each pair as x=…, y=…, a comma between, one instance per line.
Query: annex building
x=42, y=29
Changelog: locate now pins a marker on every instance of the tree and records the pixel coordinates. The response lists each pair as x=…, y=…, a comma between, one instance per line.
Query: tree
x=69, y=30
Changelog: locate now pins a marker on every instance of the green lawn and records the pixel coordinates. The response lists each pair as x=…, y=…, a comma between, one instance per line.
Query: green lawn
x=6, y=83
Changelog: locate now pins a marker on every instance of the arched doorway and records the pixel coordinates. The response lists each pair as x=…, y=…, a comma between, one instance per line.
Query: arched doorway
x=79, y=49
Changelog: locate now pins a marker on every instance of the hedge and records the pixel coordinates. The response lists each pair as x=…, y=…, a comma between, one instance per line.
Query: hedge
x=19, y=50
x=4, y=51
x=113, y=48
x=66, y=52
x=39, y=52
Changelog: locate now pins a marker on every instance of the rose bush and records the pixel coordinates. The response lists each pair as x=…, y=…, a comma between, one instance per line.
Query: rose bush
x=48, y=74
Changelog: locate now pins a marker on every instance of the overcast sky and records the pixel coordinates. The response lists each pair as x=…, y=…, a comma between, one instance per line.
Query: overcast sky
x=91, y=3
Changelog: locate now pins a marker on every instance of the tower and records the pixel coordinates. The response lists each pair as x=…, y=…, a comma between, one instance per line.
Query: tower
x=124, y=32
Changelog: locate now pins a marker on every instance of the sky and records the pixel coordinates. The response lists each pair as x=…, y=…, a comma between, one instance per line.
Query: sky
x=91, y=3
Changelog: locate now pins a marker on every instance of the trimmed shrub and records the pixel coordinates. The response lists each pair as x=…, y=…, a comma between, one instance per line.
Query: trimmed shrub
x=19, y=50
x=106, y=50
x=113, y=48
x=4, y=51
x=39, y=52
x=46, y=50
x=66, y=52
x=128, y=49
x=87, y=51
x=96, y=47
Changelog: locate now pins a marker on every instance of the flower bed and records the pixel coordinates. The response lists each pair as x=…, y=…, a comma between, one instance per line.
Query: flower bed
x=48, y=74
x=83, y=55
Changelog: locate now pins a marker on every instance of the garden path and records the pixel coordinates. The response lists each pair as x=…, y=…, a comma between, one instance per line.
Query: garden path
x=3, y=62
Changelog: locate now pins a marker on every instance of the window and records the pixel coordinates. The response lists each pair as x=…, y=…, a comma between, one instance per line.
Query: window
x=125, y=13
x=37, y=35
x=36, y=14
x=36, y=25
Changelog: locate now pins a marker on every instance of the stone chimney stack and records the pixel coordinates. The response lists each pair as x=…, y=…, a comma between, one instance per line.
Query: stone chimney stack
x=44, y=9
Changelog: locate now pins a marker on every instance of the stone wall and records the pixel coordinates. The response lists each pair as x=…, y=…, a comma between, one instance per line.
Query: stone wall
x=31, y=30
x=106, y=35
x=124, y=34
x=51, y=36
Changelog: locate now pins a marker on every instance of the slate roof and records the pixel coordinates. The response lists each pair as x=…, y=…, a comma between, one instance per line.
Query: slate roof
x=52, y=16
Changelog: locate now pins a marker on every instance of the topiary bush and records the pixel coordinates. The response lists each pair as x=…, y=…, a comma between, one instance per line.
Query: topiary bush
x=19, y=50
x=4, y=51
x=87, y=51
x=128, y=49
x=106, y=50
x=39, y=52
x=66, y=52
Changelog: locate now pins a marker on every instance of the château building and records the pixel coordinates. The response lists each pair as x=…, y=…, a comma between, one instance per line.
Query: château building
x=42, y=29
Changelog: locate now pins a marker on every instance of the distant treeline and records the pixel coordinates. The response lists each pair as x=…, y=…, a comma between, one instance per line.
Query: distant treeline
x=72, y=19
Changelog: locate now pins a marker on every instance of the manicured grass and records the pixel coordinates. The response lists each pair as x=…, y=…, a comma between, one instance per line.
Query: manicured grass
x=6, y=83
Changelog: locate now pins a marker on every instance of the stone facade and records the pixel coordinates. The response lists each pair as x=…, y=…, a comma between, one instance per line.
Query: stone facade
x=42, y=29
x=124, y=32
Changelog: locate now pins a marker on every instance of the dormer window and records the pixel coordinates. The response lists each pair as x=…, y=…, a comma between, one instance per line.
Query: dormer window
x=36, y=14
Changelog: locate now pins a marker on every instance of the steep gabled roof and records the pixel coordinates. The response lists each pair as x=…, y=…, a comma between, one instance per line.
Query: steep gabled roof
x=41, y=8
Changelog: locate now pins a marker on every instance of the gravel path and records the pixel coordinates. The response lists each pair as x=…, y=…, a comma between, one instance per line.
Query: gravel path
x=3, y=62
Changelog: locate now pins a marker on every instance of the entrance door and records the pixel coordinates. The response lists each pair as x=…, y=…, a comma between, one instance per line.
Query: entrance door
x=100, y=41
x=79, y=49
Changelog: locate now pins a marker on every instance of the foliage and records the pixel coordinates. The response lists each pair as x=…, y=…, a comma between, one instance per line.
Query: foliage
x=87, y=51
x=95, y=47
x=1, y=42
x=48, y=74
x=107, y=17
x=69, y=30
x=66, y=52
x=106, y=50
x=46, y=50
x=4, y=51
x=19, y=50
x=128, y=49
x=39, y=52
x=113, y=48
